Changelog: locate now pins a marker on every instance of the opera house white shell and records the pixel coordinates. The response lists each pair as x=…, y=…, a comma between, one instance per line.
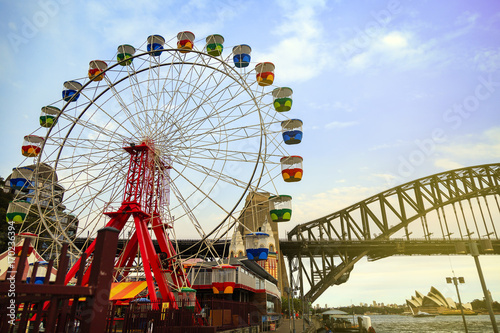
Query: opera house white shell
x=434, y=302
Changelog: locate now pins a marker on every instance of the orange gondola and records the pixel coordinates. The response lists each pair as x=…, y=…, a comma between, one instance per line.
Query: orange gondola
x=96, y=70
x=265, y=73
x=32, y=145
x=223, y=279
x=291, y=168
x=185, y=41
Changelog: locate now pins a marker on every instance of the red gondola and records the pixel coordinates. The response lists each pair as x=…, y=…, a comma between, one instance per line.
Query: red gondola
x=291, y=168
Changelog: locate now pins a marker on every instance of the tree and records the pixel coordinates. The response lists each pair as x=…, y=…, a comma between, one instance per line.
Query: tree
x=480, y=305
x=297, y=305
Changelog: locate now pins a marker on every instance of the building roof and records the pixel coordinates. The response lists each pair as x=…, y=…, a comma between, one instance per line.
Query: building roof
x=433, y=299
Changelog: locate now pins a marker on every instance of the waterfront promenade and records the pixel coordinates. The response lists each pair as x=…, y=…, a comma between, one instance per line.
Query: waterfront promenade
x=285, y=327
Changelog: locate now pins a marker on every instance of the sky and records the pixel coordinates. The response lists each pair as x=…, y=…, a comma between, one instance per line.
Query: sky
x=389, y=91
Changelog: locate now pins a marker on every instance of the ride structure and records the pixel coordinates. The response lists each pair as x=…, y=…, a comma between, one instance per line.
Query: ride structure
x=146, y=191
x=161, y=137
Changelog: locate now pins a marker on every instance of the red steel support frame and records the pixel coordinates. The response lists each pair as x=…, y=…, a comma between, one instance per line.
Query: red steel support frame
x=143, y=198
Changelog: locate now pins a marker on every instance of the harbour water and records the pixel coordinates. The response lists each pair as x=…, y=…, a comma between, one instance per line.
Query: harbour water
x=438, y=324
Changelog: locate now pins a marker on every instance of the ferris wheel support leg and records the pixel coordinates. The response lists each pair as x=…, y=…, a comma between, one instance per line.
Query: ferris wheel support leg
x=127, y=257
x=166, y=246
x=116, y=222
x=128, y=251
x=178, y=275
x=163, y=241
x=145, y=255
x=147, y=248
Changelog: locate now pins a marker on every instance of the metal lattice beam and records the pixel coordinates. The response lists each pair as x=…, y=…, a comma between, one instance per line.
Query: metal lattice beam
x=452, y=206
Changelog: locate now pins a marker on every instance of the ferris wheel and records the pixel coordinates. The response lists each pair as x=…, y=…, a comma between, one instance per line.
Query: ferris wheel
x=162, y=141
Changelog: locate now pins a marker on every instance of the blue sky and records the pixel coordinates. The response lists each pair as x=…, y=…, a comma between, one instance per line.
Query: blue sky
x=389, y=91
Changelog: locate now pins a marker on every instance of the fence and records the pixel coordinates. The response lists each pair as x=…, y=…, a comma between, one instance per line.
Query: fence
x=58, y=306
x=216, y=315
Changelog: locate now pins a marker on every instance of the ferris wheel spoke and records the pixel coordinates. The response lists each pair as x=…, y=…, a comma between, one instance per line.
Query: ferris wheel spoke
x=228, y=116
x=189, y=212
x=123, y=105
x=202, y=86
x=226, y=155
x=208, y=126
x=205, y=137
x=105, y=126
x=210, y=173
x=214, y=128
x=134, y=88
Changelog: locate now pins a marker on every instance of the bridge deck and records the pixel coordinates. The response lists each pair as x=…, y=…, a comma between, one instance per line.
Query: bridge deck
x=377, y=248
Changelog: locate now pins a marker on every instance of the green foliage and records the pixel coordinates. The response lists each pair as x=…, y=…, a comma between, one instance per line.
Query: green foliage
x=297, y=305
x=480, y=305
x=360, y=310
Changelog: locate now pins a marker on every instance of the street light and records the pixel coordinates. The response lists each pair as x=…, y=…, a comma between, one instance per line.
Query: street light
x=474, y=251
x=288, y=291
x=456, y=281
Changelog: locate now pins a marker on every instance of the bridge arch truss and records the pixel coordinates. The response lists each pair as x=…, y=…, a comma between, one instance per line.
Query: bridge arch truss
x=438, y=214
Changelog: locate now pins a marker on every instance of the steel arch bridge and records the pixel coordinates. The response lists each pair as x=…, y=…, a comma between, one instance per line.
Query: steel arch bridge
x=439, y=214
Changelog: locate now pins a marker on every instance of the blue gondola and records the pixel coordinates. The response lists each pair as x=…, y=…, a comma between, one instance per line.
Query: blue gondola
x=292, y=131
x=256, y=246
x=241, y=55
x=155, y=43
x=70, y=93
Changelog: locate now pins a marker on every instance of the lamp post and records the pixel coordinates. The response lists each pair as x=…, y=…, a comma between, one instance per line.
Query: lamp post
x=474, y=251
x=455, y=281
x=288, y=290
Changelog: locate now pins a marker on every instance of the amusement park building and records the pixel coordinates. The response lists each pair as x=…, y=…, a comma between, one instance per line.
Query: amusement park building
x=28, y=207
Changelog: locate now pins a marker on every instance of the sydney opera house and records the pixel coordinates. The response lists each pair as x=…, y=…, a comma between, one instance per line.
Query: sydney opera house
x=435, y=303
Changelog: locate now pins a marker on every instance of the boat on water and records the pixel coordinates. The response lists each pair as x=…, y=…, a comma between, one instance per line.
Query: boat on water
x=421, y=314
x=340, y=321
x=457, y=312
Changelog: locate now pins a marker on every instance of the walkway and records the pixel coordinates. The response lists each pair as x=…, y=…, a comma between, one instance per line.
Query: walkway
x=285, y=327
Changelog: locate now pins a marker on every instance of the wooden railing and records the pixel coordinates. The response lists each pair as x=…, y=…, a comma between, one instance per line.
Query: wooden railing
x=60, y=307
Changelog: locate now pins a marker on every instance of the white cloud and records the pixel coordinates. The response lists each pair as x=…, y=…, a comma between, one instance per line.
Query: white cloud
x=309, y=207
x=467, y=18
x=389, y=178
x=300, y=53
x=395, y=40
x=406, y=46
x=360, y=61
x=446, y=164
x=488, y=60
x=477, y=149
x=337, y=105
x=339, y=124
x=397, y=49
